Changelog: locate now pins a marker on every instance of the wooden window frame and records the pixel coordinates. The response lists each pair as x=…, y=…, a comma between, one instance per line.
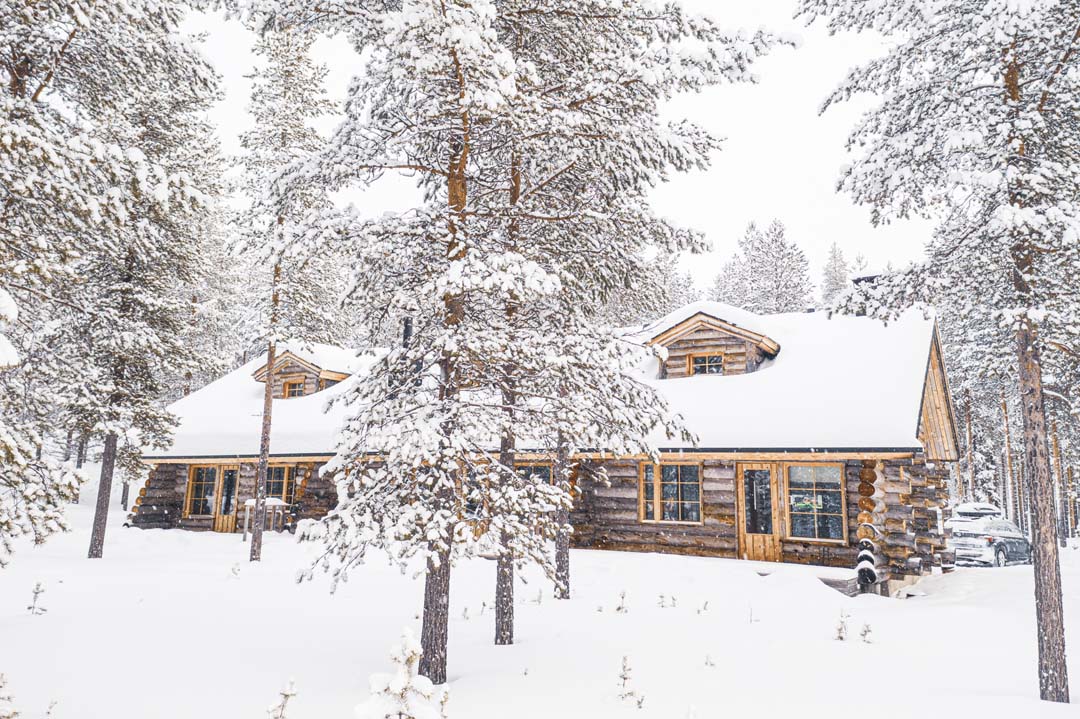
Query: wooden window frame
x=787, y=535
x=289, y=480
x=287, y=383
x=657, y=482
x=538, y=463
x=690, y=363
x=189, y=493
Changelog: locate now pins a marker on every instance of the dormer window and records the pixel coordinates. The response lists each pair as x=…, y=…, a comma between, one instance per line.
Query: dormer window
x=293, y=389
x=706, y=364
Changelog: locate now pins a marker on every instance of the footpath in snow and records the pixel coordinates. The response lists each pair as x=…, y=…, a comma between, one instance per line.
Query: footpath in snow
x=173, y=624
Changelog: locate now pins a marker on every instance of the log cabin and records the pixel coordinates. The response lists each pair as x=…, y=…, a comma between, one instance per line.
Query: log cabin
x=819, y=440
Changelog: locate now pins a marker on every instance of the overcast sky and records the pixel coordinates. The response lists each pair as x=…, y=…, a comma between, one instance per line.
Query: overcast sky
x=780, y=158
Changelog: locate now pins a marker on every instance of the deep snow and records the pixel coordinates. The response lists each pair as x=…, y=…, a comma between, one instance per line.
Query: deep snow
x=179, y=624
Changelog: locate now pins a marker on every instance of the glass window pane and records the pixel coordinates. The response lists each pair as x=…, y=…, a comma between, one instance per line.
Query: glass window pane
x=802, y=525
x=801, y=476
x=827, y=476
x=830, y=526
x=688, y=473
x=690, y=492
x=648, y=484
x=830, y=502
x=649, y=510
x=757, y=493
x=691, y=512
x=670, y=512
x=669, y=473
x=669, y=490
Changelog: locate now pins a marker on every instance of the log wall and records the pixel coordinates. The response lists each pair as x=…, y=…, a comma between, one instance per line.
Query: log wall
x=606, y=517
x=740, y=356
x=160, y=504
x=293, y=372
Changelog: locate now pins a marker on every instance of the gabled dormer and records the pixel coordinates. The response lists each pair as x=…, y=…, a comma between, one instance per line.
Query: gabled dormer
x=704, y=344
x=298, y=374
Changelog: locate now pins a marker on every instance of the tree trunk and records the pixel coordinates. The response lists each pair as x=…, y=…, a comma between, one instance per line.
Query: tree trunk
x=80, y=457
x=562, y=518
x=67, y=446
x=504, y=597
x=124, y=493
x=1053, y=673
x=101, y=509
x=1059, y=482
x=434, y=634
x=259, y=519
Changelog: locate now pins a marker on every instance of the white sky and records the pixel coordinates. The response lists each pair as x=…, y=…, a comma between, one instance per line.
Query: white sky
x=780, y=158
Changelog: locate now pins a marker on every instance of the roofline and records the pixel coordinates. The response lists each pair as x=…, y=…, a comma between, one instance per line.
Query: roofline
x=767, y=344
x=735, y=451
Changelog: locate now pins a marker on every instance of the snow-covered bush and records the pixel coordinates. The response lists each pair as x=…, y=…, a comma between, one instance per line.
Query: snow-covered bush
x=404, y=694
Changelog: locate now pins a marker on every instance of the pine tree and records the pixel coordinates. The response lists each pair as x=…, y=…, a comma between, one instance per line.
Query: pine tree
x=297, y=298
x=977, y=129
x=768, y=273
x=837, y=276
x=72, y=183
x=404, y=694
x=526, y=183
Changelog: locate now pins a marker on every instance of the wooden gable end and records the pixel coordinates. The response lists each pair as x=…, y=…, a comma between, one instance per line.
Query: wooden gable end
x=937, y=420
x=291, y=369
x=705, y=336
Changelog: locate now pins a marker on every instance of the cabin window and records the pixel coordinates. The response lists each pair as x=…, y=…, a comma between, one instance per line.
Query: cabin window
x=324, y=383
x=539, y=472
x=671, y=493
x=294, y=389
x=706, y=364
x=279, y=483
x=816, y=502
x=201, y=485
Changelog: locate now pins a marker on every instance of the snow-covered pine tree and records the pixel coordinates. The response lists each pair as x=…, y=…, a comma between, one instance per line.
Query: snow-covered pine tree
x=768, y=274
x=836, y=277
x=298, y=298
x=977, y=127
x=405, y=694
x=537, y=184
x=72, y=69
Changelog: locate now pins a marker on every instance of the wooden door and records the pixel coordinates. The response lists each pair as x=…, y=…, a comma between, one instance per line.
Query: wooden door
x=758, y=518
x=225, y=504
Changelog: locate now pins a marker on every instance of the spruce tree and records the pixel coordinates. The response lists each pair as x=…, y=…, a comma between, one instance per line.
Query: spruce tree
x=768, y=274
x=837, y=276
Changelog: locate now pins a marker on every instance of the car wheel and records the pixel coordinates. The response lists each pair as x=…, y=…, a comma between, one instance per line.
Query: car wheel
x=1000, y=560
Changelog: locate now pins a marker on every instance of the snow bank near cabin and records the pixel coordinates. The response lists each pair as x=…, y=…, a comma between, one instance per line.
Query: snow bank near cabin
x=837, y=383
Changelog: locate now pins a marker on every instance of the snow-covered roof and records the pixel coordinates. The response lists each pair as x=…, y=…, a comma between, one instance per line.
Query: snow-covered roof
x=839, y=383
x=224, y=418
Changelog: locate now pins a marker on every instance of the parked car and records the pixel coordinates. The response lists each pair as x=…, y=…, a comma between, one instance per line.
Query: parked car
x=977, y=510
x=988, y=541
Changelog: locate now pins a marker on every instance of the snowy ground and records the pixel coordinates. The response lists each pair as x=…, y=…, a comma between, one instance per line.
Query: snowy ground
x=178, y=624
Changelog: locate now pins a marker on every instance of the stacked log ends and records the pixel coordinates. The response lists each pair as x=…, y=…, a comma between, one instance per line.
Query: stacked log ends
x=870, y=568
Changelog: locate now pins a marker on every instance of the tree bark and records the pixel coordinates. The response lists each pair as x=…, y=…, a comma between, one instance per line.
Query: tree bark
x=68, y=446
x=1050, y=618
x=435, y=631
x=259, y=519
x=504, y=597
x=1059, y=481
x=101, y=509
x=124, y=495
x=268, y=406
x=562, y=518
x=80, y=457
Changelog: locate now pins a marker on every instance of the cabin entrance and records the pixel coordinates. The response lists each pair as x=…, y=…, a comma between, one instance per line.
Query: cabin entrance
x=758, y=520
x=225, y=507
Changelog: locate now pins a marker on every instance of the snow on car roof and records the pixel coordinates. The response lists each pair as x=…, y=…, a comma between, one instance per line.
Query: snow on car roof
x=837, y=383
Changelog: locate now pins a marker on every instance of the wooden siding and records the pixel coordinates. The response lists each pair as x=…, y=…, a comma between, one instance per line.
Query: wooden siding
x=606, y=516
x=937, y=427
x=160, y=503
x=294, y=372
x=740, y=356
